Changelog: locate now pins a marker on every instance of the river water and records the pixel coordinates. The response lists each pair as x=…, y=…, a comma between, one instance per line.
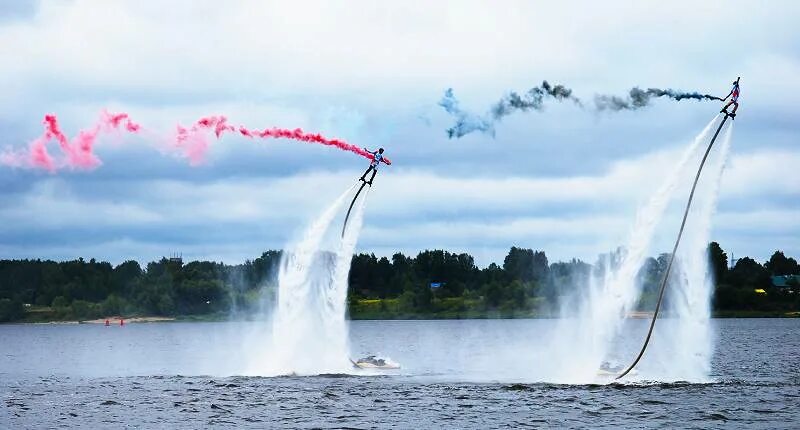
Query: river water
x=456, y=374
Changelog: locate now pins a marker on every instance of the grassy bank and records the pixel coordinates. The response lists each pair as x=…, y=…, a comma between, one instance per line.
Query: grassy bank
x=445, y=308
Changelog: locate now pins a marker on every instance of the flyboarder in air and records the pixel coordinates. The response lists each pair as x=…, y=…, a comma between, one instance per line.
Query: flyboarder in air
x=734, y=95
x=377, y=159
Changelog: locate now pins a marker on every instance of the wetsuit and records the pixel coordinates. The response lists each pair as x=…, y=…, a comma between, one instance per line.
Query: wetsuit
x=734, y=95
x=377, y=158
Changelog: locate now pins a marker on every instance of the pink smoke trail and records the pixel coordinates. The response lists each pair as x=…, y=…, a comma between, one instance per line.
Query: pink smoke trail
x=193, y=141
x=77, y=153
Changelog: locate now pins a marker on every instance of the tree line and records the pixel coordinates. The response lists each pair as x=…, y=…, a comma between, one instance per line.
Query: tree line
x=433, y=283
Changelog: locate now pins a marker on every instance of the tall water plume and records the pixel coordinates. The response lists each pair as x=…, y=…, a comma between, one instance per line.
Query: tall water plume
x=309, y=331
x=591, y=321
x=683, y=343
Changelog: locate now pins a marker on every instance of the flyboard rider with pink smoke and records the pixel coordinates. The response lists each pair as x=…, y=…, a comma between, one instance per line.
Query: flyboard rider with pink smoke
x=377, y=159
x=734, y=95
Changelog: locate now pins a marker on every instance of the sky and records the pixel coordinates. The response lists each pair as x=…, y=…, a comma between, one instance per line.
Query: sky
x=566, y=180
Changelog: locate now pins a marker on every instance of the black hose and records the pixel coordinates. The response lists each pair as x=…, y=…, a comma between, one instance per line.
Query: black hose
x=674, y=250
x=344, y=227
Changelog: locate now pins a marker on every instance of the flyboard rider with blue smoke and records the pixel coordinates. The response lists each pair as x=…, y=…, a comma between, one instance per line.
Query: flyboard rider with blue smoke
x=377, y=159
x=734, y=95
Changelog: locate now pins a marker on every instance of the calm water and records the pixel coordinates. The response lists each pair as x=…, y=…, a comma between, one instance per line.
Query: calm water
x=183, y=375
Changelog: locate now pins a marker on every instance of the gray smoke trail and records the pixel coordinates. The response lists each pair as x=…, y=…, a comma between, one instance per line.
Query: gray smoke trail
x=639, y=98
x=533, y=99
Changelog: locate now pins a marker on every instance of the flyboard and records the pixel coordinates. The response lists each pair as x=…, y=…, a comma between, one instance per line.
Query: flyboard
x=675, y=247
x=350, y=209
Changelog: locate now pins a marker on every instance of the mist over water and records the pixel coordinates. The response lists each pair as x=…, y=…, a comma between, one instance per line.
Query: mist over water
x=683, y=343
x=594, y=318
x=309, y=333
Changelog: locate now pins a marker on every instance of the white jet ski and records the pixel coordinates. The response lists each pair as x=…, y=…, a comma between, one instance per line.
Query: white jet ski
x=606, y=370
x=373, y=362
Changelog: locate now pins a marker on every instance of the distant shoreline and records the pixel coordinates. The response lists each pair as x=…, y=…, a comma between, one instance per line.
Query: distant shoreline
x=102, y=321
x=633, y=315
x=115, y=320
x=434, y=284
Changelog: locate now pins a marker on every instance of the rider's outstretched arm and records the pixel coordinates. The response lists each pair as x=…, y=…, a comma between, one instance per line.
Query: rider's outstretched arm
x=729, y=94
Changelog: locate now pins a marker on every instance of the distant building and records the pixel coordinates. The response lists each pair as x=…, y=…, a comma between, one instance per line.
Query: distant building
x=785, y=281
x=177, y=259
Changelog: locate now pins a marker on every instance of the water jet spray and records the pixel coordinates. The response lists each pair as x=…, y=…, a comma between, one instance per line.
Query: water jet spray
x=675, y=249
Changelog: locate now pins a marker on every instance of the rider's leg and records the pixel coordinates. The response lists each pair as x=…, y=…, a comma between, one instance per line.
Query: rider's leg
x=364, y=176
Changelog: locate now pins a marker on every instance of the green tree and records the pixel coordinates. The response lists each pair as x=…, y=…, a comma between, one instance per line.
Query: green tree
x=718, y=260
x=748, y=273
x=779, y=264
x=422, y=297
x=406, y=302
x=11, y=310
x=83, y=310
x=567, y=277
x=113, y=305
x=125, y=277
x=493, y=295
x=59, y=302
x=515, y=293
x=165, y=305
x=526, y=265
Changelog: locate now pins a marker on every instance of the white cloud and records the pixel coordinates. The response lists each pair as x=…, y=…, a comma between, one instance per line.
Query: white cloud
x=564, y=181
x=762, y=173
x=251, y=50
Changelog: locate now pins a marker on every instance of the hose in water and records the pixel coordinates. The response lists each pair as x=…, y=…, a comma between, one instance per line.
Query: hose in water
x=674, y=250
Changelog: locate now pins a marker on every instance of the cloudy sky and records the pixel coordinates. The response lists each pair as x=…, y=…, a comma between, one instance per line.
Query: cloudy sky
x=566, y=180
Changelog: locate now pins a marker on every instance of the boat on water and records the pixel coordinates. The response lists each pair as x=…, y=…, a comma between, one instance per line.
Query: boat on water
x=374, y=362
